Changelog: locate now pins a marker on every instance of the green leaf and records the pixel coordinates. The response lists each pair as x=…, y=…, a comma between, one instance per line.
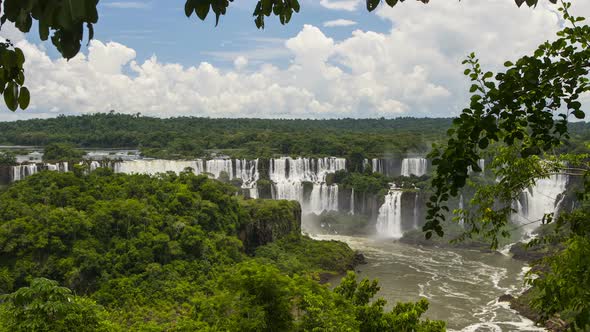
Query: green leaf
x=579, y=114
x=483, y=143
x=11, y=96
x=20, y=57
x=189, y=7
x=391, y=3
x=24, y=98
x=202, y=9
x=372, y=4
x=77, y=9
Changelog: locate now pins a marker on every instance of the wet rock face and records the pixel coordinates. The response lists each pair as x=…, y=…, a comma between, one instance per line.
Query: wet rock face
x=359, y=259
x=506, y=298
x=4, y=175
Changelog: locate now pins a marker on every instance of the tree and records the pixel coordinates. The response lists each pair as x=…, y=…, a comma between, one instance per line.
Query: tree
x=7, y=159
x=525, y=108
x=522, y=116
x=61, y=152
x=44, y=306
x=67, y=21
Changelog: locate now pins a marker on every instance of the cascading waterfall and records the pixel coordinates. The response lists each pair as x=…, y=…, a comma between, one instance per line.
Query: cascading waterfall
x=20, y=172
x=323, y=198
x=365, y=164
x=94, y=165
x=151, y=167
x=543, y=198
x=389, y=222
x=247, y=171
x=482, y=165
x=414, y=166
x=58, y=167
x=375, y=163
x=289, y=175
x=216, y=166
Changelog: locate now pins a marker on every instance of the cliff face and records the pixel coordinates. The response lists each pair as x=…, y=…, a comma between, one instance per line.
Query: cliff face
x=265, y=221
x=4, y=174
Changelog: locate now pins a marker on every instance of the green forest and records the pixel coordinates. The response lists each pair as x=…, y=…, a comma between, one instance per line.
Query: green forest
x=113, y=252
x=179, y=138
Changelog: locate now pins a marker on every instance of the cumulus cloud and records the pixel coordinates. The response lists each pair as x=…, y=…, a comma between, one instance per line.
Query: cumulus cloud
x=10, y=32
x=240, y=62
x=412, y=70
x=127, y=5
x=348, y=5
x=339, y=23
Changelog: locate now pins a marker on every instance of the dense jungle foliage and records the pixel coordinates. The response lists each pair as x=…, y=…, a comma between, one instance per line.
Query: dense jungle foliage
x=114, y=252
x=249, y=138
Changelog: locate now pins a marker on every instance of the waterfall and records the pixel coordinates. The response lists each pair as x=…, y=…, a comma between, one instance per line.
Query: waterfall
x=20, y=172
x=482, y=165
x=289, y=175
x=58, y=167
x=389, y=222
x=247, y=171
x=216, y=166
x=94, y=165
x=414, y=166
x=323, y=198
x=154, y=166
x=542, y=198
x=365, y=164
x=376, y=164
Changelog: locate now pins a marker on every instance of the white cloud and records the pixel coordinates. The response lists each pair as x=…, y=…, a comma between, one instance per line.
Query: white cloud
x=240, y=62
x=412, y=70
x=10, y=32
x=348, y=5
x=339, y=23
x=128, y=5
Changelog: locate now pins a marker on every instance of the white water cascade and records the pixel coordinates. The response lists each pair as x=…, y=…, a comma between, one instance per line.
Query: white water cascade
x=289, y=175
x=389, y=222
x=376, y=166
x=247, y=171
x=544, y=197
x=20, y=172
x=481, y=163
x=216, y=166
x=414, y=166
x=94, y=165
x=154, y=166
x=59, y=167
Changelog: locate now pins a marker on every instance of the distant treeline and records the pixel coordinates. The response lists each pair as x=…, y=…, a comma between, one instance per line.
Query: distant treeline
x=193, y=137
x=188, y=137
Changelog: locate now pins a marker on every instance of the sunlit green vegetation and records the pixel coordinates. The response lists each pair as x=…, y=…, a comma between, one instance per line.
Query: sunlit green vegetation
x=114, y=252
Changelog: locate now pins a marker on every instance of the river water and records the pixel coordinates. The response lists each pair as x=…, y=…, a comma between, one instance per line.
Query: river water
x=461, y=285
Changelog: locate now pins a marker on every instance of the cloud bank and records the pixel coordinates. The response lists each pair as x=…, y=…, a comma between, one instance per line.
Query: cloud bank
x=412, y=70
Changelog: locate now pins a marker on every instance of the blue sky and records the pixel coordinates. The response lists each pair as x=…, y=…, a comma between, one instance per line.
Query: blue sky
x=158, y=28
x=148, y=58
